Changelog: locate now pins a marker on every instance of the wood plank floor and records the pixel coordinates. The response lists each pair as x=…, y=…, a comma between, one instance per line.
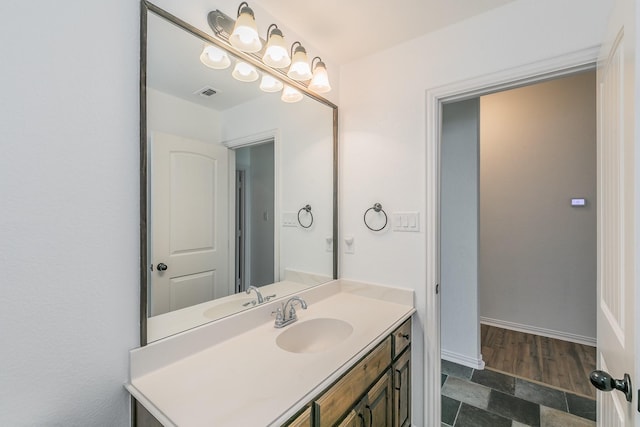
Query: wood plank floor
x=557, y=363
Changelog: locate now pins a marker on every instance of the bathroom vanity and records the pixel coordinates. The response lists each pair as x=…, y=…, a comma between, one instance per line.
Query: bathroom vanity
x=345, y=361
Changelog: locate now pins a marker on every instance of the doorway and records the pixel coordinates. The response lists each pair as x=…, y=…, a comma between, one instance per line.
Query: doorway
x=435, y=98
x=255, y=215
x=518, y=250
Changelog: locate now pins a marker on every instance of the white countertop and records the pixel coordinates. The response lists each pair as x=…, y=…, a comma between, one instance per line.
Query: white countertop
x=242, y=378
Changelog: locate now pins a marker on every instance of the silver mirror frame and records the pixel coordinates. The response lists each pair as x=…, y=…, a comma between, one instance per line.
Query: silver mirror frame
x=144, y=196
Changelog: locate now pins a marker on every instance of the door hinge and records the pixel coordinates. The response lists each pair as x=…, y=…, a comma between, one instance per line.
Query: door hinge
x=437, y=288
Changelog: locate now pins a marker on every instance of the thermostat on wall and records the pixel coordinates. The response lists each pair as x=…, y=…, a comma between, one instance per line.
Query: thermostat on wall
x=578, y=202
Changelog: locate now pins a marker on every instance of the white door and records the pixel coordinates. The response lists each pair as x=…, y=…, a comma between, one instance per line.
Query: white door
x=617, y=234
x=188, y=221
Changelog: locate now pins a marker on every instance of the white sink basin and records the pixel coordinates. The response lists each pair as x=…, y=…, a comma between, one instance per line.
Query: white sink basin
x=314, y=336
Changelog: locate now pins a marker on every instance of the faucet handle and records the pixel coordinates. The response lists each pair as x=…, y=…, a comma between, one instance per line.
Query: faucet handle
x=279, y=314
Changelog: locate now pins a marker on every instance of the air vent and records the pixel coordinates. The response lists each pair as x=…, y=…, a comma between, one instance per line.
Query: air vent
x=206, y=91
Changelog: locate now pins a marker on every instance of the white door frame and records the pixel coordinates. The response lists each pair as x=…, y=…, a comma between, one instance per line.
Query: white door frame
x=550, y=68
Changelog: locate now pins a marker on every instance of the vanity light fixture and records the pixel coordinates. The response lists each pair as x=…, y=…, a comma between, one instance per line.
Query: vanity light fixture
x=270, y=84
x=214, y=57
x=320, y=80
x=242, y=35
x=291, y=95
x=245, y=72
x=299, y=69
x=276, y=54
x=245, y=32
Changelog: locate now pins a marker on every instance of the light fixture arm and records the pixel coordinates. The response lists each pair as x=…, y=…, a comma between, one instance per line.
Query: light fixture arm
x=274, y=26
x=319, y=60
x=293, y=44
x=240, y=8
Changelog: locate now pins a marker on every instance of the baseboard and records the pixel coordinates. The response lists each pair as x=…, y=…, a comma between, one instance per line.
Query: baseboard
x=461, y=359
x=549, y=333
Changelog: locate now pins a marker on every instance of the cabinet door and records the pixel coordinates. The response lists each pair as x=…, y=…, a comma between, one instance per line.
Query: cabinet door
x=402, y=390
x=354, y=419
x=340, y=398
x=302, y=420
x=377, y=406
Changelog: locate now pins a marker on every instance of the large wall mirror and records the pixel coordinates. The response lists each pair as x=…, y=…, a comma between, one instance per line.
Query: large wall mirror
x=238, y=187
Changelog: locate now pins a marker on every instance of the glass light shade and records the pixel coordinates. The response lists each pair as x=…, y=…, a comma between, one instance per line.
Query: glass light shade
x=245, y=72
x=320, y=80
x=215, y=58
x=299, y=69
x=245, y=33
x=276, y=54
x=290, y=95
x=270, y=84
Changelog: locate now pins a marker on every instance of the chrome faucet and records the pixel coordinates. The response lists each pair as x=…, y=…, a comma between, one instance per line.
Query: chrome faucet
x=253, y=288
x=284, y=317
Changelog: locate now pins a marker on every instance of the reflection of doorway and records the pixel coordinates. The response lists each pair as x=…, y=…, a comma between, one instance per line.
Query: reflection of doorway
x=255, y=215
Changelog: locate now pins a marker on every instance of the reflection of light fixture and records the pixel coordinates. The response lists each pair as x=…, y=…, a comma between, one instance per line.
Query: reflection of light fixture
x=290, y=94
x=245, y=33
x=320, y=80
x=245, y=72
x=270, y=84
x=214, y=57
x=276, y=54
x=299, y=69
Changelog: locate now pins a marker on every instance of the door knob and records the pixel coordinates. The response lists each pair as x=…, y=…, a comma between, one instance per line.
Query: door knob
x=162, y=266
x=604, y=381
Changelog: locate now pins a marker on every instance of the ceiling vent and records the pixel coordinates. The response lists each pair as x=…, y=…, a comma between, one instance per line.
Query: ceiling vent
x=206, y=91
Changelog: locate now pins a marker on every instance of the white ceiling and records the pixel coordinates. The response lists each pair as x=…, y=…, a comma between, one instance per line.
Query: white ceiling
x=350, y=29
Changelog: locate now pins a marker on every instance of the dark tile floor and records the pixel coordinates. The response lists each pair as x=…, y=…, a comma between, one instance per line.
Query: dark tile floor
x=479, y=398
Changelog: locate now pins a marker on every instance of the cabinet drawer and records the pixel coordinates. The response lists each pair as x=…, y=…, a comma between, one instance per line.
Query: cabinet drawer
x=344, y=394
x=401, y=338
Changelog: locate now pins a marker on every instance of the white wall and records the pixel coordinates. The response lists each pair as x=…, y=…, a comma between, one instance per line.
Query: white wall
x=383, y=126
x=538, y=253
x=175, y=116
x=69, y=179
x=459, y=232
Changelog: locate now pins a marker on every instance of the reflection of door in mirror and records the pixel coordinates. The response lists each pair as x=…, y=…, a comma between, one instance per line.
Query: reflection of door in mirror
x=255, y=216
x=189, y=220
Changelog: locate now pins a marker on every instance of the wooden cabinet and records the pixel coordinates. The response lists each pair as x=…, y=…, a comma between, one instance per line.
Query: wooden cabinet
x=377, y=403
x=301, y=420
x=402, y=390
x=402, y=375
x=374, y=409
x=343, y=395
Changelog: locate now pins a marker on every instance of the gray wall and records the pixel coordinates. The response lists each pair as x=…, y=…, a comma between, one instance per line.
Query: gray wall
x=459, y=233
x=538, y=254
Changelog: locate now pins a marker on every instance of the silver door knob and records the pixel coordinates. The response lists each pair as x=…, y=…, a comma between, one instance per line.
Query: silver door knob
x=604, y=381
x=162, y=266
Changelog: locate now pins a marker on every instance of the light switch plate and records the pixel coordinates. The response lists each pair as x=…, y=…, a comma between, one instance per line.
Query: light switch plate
x=405, y=221
x=289, y=219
